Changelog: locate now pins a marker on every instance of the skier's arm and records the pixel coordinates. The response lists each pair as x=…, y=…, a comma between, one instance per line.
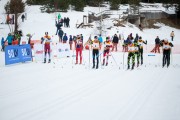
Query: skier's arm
x=171, y=44
x=42, y=40
x=145, y=42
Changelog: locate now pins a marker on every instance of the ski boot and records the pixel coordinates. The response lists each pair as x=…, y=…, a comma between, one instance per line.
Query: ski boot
x=49, y=61
x=103, y=62
x=128, y=67
x=132, y=67
x=97, y=67
x=44, y=60
x=138, y=64
x=106, y=64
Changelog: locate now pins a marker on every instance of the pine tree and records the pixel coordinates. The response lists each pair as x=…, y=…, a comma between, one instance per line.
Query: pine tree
x=114, y=4
x=78, y=4
x=63, y=4
x=94, y=3
x=16, y=7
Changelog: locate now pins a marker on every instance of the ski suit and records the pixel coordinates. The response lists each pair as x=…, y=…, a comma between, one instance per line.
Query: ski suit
x=79, y=47
x=95, y=52
x=131, y=54
x=107, y=46
x=136, y=52
x=47, y=48
x=166, y=46
x=140, y=43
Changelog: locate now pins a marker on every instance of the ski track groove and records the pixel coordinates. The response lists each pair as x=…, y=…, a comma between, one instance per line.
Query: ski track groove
x=64, y=100
x=133, y=100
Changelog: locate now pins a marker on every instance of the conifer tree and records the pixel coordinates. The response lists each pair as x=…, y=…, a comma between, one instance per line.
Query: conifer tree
x=78, y=4
x=114, y=4
x=16, y=7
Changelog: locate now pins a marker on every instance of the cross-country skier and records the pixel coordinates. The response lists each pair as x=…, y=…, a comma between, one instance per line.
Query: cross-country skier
x=140, y=43
x=136, y=52
x=46, y=40
x=79, y=47
x=107, y=46
x=131, y=55
x=166, y=46
x=95, y=52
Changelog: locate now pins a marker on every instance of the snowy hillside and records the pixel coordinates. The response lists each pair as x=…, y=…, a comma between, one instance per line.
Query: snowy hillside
x=61, y=90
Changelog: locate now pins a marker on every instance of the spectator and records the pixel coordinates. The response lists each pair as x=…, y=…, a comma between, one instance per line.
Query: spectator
x=157, y=45
x=115, y=42
x=67, y=22
x=58, y=26
x=2, y=44
x=9, y=39
x=172, y=35
x=65, y=38
x=70, y=41
x=23, y=17
x=60, y=34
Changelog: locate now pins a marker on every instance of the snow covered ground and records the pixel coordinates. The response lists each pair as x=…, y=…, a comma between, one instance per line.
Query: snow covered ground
x=62, y=90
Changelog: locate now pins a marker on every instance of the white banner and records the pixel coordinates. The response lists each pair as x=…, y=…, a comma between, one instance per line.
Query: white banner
x=63, y=50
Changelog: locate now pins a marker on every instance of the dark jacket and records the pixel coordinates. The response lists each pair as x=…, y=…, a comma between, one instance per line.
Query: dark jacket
x=157, y=41
x=60, y=32
x=115, y=39
x=65, y=38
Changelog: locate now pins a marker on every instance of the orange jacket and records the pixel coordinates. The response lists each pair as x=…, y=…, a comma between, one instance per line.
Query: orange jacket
x=15, y=42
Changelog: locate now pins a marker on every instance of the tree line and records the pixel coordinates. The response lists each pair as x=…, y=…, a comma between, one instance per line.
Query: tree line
x=17, y=6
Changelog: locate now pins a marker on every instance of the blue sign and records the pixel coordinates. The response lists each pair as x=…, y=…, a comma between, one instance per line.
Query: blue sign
x=17, y=53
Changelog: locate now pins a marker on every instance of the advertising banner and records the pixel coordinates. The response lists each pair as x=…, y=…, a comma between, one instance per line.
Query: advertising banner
x=17, y=53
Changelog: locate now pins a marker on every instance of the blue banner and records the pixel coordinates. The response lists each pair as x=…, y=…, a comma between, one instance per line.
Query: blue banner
x=17, y=53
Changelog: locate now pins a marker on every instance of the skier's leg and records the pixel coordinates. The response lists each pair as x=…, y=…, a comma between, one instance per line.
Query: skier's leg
x=80, y=53
x=97, y=58
x=93, y=59
x=128, y=62
x=133, y=60
x=163, y=59
x=77, y=51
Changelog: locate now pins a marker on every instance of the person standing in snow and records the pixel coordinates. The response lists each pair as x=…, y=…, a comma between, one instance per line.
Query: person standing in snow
x=136, y=38
x=166, y=46
x=107, y=46
x=115, y=42
x=140, y=43
x=67, y=22
x=95, y=52
x=79, y=47
x=136, y=52
x=60, y=34
x=70, y=41
x=2, y=44
x=100, y=40
x=23, y=17
x=46, y=40
x=9, y=39
x=65, y=38
x=172, y=35
x=157, y=45
x=131, y=55
x=58, y=26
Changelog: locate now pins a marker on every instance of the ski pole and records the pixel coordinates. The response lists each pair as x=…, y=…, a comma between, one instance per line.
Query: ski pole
x=114, y=60
x=123, y=59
